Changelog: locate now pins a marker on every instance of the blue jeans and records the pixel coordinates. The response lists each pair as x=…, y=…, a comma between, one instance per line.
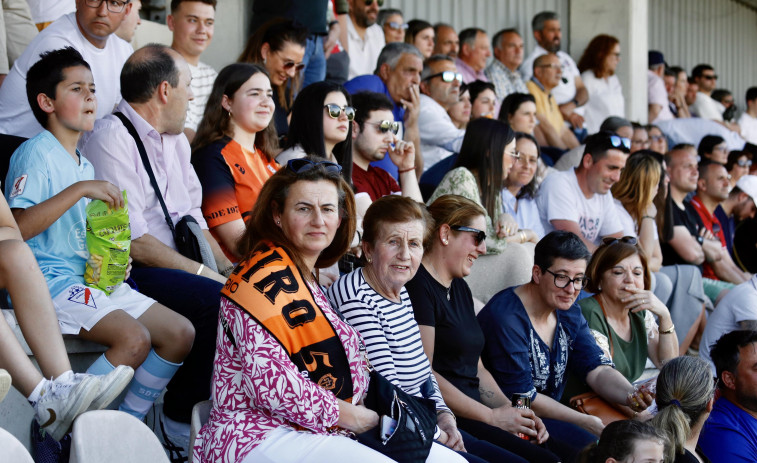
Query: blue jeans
x=198, y=299
x=314, y=61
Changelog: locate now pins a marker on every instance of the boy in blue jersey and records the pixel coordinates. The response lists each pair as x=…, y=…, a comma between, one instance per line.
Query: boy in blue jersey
x=48, y=187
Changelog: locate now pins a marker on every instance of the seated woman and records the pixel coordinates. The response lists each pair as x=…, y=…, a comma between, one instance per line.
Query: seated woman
x=535, y=333
x=279, y=46
x=597, y=66
x=421, y=34
x=627, y=441
x=621, y=314
x=393, y=24
x=460, y=112
x=738, y=165
x=658, y=142
x=486, y=156
x=685, y=397
x=518, y=110
x=520, y=189
x=233, y=150
x=483, y=99
x=453, y=341
x=267, y=404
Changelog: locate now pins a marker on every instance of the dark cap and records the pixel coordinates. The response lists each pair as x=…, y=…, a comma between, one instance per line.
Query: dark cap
x=655, y=58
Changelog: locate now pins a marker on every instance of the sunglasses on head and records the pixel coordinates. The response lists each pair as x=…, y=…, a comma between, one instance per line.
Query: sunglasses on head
x=447, y=76
x=301, y=165
x=397, y=26
x=370, y=2
x=478, y=237
x=609, y=241
x=335, y=111
x=386, y=126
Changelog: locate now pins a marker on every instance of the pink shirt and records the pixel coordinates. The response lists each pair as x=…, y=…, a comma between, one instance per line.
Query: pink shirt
x=469, y=74
x=113, y=152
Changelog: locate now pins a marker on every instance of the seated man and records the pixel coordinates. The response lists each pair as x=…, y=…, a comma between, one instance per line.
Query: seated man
x=730, y=433
x=737, y=207
x=155, y=83
x=446, y=41
x=440, y=90
x=657, y=95
x=579, y=200
x=748, y=119
x=398, y=74
x=474, y=52
x=374, y=135
x=48, y=187
x=90, y=30
x=551, y=130
x=503, y=70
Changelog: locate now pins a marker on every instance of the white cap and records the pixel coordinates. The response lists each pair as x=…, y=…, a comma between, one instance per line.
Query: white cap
x=748, y=184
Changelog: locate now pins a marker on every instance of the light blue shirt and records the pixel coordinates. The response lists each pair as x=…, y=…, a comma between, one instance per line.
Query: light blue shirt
x=527, y=214
x=39, y=169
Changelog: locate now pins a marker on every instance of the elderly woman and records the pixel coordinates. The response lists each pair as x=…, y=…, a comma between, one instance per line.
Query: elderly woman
x=535, y=333
x=622, y=312
x=268, y=405
x=685, y=397
x=452, y=338
x=374, y=300
x=393, y=24
x=520, y=188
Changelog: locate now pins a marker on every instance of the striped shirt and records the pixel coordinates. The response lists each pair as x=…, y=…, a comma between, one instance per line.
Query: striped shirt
x=203, y=77
x=391, y=335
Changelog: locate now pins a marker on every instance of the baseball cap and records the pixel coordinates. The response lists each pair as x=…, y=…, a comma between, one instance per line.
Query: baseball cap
x=655, y=57
x=748, y=184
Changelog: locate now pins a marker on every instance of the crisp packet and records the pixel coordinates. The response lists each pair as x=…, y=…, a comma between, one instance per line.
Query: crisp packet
x=108, y=243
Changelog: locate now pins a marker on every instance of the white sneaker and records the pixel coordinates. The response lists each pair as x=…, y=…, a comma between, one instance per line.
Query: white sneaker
x=111, y=385
x=5, y=383
x=176, y=444
x=61, y=402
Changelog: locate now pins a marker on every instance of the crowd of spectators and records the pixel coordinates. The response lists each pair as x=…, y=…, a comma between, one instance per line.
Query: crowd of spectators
x=341, y=179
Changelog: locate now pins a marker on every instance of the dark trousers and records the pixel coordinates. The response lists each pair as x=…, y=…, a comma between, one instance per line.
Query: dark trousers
x=573, y=438
x=198, y=299
x=510, y=442
x=480, y=450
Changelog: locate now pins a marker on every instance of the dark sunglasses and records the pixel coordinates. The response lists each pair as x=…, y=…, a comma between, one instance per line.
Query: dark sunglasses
x=710, y=77
x=301, y=165
x=335, y=111
x=386, y=126
x=291, y=64
x=370, y=2
x=447, y=76
x=609, y=241
x=397, y=26
x=479, y=234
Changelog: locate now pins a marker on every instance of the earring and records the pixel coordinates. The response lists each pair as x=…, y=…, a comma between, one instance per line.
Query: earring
x=369, y=260
x=445, y=242
x=278, y=222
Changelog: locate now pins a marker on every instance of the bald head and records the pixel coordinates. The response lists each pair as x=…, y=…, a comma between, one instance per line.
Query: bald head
x=146, y=69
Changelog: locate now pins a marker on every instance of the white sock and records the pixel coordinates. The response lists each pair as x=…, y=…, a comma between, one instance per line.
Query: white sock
x=34, y=396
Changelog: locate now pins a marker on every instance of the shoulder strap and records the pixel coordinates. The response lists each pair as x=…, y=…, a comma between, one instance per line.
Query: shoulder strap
x=146, y=162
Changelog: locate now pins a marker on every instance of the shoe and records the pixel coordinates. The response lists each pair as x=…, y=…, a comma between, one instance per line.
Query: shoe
x=111, y=385
x=47, y=449
x=61, y=402
x=5, y=383
x=176, y=446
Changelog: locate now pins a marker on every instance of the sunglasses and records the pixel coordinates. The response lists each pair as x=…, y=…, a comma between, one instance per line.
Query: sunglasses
x=301, y=165
x=609, y=241
x=710, y=76
x=397, y=26
x=617, y=141
x=744, y=162
x=370, y=2
x=386, y=126
x=291, y=64
x=479, y=234
x=447, y=76
x=335, y=111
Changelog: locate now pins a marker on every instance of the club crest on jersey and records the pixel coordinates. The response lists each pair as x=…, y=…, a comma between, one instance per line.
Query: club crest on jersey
x=18, y=185
x=82, y=295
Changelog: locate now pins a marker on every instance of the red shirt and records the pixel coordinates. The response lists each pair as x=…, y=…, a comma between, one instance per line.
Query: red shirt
x=375, y=181
x=712, y=224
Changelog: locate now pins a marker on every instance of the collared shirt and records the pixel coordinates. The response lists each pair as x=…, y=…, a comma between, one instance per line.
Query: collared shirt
x=565, y=91
x=505, y=81
x=439, y=136
x=546, y=104
x=364, y=52
x=113, y=152
x=469, y=74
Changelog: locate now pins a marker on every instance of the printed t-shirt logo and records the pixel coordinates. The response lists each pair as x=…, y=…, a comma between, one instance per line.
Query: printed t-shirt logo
x=18, y=185
x=82, y=295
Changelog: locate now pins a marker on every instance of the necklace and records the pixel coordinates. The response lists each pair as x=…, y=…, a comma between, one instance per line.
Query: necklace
x=438, y=279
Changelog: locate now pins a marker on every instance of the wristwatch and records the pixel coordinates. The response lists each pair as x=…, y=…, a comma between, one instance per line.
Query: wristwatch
x=700, y=239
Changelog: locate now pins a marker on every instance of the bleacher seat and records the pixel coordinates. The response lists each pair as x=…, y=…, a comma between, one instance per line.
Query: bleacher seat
x=494, y=272
x=13, y=450
x=200, y=415
x=114, y=437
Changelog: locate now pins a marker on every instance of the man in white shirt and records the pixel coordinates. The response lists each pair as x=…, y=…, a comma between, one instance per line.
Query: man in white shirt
x=571, y=92
x=579, y=200
x=90, y=30
x=192, y=23
x=45, y=12
x=748, y=120
x=440, y=89
x=704, y=106
x=657, y=96
x=365, y=38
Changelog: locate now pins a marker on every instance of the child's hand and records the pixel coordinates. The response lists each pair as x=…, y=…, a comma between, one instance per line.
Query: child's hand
x=104, y=191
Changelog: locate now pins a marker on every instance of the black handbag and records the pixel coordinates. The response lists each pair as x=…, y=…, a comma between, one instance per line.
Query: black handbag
x=187, y=234
x=411, y=440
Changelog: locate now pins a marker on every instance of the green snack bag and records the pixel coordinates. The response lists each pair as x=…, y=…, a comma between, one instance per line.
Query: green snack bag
x=108, y=243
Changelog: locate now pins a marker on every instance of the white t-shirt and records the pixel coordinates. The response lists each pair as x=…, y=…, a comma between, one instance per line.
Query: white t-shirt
x=203, y=76
x=16, y=116
x=748, y=126
x=629, y=225
x=656, y=94
x=560, y=198
x=707, y=108
x=364, y=53
x=565, y=91
x=44, y=11
x=605, y=100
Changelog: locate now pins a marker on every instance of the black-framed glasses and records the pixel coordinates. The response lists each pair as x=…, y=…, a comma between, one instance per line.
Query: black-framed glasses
x=479, y=235
x=114, y=6
x=386, y=126
x=397, y=26
x=617, y=141
x=301, y=165
x=562, y=281
x=335, y=111
x=370, y=2
x=744, y=162
x=447, y=76
x=609, y=240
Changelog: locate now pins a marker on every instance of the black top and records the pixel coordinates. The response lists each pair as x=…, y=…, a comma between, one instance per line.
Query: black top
x=280, y=116
x=309, y=13
x=458, y=339
x=744, y=250
x=688, y=457
x=689, y=218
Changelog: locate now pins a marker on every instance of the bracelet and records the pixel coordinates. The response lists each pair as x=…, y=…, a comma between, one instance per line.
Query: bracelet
x=668, y=331
x=199, y=270
x=446, y=411
x=647, y=217
x=406, y=170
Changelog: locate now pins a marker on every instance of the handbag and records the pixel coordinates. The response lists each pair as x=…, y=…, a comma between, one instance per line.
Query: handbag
x=410, y=441
x=187, y=234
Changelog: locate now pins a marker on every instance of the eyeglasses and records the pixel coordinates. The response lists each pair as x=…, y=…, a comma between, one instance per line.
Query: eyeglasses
x=609, y=241
x=479, y=234
x=386, y=126
x=562, y=281
x=335, y=111
x=114, y=6
x=656, y=138
x=397, y=26
x=527, y=160
x=710, y=76
x=617, y=141
x=301, y=165
x=515, y=154
x=744, y=162
x=447, y=76
x=370, y=2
